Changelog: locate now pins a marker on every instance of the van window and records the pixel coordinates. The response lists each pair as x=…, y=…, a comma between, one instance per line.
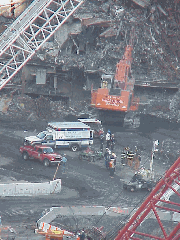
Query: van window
x=41, y=135
x=49, y=137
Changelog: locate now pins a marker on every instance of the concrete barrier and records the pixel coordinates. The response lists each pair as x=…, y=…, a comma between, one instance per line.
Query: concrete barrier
x=70, y=211
x=30, y=189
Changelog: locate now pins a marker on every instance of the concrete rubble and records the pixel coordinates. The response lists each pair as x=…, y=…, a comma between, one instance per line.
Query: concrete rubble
x=93, y=42
x=90, y=44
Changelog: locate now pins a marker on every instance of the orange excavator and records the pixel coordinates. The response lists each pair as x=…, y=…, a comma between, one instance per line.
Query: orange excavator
x=116, y=95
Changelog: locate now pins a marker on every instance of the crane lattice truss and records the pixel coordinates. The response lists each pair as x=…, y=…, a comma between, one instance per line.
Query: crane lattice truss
x=29, y=32
x=158, y=199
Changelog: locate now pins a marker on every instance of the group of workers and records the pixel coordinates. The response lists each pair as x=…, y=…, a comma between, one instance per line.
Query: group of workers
x=130, y=158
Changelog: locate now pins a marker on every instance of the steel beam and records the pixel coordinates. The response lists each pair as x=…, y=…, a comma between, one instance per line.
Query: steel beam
x=167, y=186
x=29, y=32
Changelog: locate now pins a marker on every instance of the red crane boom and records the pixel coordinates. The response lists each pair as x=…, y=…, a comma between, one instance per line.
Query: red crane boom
x=158, y=198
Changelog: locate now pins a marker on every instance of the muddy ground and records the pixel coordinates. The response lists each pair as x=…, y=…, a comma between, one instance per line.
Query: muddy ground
x=84, y=184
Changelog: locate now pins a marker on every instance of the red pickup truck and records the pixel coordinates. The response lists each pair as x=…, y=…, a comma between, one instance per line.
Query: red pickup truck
x=43, y=153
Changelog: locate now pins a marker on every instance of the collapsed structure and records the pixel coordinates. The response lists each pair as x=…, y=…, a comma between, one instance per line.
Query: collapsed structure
x=91, y=42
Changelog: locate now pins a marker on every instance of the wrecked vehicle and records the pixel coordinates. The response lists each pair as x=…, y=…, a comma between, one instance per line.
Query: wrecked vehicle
x=44, y=154
x=138, y=182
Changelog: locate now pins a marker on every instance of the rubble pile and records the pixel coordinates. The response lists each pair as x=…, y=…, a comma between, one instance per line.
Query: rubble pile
x=155, y=59
x=104, y=28
x=17, y=107
x=32, y=109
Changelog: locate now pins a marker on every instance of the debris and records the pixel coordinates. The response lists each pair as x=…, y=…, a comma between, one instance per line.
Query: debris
x=142, y=3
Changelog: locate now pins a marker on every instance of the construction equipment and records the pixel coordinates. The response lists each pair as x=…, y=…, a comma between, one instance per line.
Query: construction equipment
x=116, y=94
x=20, y=42
x=52, y=232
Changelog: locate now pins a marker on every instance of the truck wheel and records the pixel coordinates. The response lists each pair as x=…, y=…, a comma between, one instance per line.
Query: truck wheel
x=75, y=148
x=25, y=156
x=46, y=162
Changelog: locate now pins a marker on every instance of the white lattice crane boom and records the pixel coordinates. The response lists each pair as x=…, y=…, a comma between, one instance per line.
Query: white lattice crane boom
x=29, y=32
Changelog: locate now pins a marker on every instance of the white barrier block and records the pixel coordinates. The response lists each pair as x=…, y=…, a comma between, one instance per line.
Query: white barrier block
x=29, y=189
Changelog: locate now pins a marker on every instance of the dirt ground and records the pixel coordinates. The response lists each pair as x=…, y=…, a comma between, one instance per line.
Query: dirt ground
x=84, y=184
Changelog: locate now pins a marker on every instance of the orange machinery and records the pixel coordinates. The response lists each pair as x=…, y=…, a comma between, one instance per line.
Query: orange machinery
x=52, y=233
x=117, y=94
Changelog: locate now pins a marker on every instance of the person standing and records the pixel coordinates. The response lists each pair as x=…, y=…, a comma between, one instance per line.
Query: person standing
x=82, y=235
x=137, y=160
x=130, y=156
x=112, y=142
x=64, y=161
x=108, y=138
x=106, y=157
x=101, y=142
x=112, y=168
x=113, y=156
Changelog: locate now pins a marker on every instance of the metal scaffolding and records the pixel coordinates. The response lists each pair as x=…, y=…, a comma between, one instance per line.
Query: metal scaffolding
x=29, y=32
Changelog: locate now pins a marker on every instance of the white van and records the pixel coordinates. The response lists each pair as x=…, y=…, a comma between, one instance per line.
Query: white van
x=73, y=135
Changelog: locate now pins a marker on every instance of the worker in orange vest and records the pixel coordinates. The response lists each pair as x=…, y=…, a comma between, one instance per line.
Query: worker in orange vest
x=111, y=167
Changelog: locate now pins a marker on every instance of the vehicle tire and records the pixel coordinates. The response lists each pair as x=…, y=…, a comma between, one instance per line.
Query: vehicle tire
x=132, y=189
x=25, y=156
x=74, y=147
x=46, y=162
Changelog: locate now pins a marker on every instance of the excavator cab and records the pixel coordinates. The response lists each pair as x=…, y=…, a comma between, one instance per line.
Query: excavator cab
x=106, y=81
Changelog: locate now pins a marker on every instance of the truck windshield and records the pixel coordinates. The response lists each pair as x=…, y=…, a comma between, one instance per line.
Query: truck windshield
x=48, y=150
x=41, y=135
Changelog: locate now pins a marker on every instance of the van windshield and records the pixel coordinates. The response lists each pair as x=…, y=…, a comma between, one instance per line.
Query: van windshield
x=41, y=135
